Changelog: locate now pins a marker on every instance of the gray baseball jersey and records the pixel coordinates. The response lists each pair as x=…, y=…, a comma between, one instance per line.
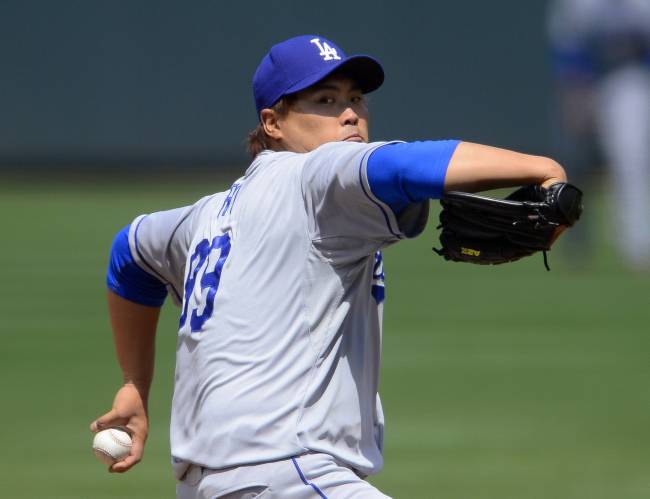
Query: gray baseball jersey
x=280, y=280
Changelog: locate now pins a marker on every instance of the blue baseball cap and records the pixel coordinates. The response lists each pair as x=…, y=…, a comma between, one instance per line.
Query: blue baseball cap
x=298, y=63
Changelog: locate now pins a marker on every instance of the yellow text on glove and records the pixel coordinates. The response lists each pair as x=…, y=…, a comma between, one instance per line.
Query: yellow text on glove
x=470, y=251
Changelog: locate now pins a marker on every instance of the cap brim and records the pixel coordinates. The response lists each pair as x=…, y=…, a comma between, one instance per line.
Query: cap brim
x=366, y=71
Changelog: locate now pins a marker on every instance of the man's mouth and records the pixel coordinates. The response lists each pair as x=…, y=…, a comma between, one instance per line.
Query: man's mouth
x=355, y=137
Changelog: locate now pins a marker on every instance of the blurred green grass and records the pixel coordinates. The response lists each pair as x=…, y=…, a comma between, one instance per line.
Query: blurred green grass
x=506, y=382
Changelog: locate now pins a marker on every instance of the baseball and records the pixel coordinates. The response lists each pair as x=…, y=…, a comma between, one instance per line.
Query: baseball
x=111, y=445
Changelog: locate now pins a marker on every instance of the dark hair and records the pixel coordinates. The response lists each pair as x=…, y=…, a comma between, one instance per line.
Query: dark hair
x=257, y=139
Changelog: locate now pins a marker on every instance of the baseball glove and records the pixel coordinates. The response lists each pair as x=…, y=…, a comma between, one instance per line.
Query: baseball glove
x=488, y=231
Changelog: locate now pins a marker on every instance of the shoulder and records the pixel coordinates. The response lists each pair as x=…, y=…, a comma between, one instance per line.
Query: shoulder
x=274, y=164
x=336, y=155
x=344, y=148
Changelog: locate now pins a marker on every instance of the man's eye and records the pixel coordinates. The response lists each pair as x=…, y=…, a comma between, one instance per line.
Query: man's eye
x=357, y=99
x=326, y=100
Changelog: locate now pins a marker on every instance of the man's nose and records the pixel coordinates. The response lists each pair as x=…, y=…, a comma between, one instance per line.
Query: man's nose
x=349, y=117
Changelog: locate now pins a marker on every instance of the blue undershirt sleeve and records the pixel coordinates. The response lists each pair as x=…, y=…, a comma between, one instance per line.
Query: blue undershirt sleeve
x=125, y=278
x=403, y=173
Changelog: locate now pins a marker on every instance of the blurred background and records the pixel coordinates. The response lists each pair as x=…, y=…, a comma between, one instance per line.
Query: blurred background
x=508, y=382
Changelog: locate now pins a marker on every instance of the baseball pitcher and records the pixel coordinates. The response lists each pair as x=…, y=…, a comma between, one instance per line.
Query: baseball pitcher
x=280, y=286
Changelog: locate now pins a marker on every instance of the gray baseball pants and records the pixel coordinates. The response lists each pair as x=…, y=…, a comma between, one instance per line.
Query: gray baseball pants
x=310, y=476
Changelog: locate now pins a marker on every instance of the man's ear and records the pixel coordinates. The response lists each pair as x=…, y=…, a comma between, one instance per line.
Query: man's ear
x=269, y=120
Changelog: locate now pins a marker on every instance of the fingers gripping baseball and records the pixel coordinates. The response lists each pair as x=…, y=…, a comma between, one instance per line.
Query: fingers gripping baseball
x=129, y=411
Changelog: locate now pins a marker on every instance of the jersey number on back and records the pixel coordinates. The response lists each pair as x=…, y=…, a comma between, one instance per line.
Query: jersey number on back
x=220, y=246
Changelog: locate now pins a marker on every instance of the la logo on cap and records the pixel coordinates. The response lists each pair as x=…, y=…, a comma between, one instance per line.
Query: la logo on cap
x=327, y=52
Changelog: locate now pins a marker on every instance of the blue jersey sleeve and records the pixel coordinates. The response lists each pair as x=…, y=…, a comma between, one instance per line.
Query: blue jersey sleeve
x=409, y=172
x=127, y=279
